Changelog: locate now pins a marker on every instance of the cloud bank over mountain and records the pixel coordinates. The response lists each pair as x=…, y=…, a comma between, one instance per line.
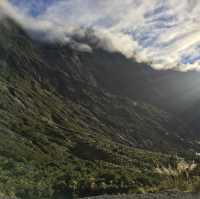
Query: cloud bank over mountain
x=163, y=32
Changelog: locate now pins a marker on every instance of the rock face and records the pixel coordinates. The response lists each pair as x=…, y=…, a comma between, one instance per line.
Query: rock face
x=69, y=124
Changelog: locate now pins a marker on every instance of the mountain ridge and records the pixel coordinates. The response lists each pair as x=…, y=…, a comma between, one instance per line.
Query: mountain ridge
x=62, y=130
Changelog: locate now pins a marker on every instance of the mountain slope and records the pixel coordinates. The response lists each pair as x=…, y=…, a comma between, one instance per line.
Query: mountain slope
x=171, y=90
x=62, y=131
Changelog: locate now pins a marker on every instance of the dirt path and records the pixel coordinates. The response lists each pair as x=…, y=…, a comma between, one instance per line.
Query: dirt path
x=151, y=196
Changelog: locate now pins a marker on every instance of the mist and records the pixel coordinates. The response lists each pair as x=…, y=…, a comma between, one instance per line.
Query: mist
x=162, y=32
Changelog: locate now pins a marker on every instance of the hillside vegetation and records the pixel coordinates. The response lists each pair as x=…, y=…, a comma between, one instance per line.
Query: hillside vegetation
x=63, y=134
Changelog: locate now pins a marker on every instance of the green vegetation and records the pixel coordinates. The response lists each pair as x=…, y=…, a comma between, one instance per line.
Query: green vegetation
x=62, y=135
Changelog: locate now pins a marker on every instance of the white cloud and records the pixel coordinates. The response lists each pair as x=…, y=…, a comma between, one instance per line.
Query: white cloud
x=159, y=31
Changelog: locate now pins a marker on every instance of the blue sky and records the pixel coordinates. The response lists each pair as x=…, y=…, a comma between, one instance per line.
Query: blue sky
x=34, y=7
x=164, y=32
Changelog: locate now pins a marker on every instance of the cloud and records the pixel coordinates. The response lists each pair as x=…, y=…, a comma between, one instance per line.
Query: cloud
x=163, y=32
x=42, y=29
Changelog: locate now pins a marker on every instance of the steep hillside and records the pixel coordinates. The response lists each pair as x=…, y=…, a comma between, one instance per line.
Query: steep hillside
x=171, y=90
x=63, y=132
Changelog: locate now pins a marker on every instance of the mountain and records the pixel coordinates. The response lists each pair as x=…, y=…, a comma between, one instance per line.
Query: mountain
x=173, y=91
x=84, y=123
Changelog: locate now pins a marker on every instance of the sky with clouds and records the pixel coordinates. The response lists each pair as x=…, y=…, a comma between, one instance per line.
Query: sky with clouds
x=163, y=32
